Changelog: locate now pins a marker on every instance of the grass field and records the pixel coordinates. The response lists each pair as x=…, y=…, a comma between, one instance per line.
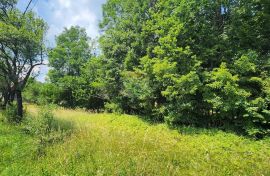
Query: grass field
x=108, y=144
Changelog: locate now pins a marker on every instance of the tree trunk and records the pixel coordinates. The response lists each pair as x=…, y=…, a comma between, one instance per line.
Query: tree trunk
x=12, y=96
x=5, y=102
x=19, y=105
x=6, y=99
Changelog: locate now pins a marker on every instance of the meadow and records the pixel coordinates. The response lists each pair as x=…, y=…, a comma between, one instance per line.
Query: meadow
x=112, y=144
x=185, y=85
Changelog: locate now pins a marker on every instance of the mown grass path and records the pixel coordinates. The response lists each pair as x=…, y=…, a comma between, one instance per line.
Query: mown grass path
x=107, y=144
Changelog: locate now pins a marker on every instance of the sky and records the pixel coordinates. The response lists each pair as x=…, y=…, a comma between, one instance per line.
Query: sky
x=65, y=13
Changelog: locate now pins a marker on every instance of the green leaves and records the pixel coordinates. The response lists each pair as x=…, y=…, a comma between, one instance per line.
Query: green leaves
x=186, y=60
x=71, y=53
x=22, y=49
x=223, y=91
x=246, y=63
x=185, y=85
x=75, y=70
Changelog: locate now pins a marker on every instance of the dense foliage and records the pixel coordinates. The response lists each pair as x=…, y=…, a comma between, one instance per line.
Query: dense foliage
x=190, y=62
x=202, y=63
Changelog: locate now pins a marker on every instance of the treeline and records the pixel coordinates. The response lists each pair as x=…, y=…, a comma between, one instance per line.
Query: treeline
x=202, y=63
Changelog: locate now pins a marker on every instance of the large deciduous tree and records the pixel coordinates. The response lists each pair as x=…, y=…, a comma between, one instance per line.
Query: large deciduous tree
x=21, y=49
x=73, y=50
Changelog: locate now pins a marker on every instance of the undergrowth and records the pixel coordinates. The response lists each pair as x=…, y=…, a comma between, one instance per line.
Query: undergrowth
x=46, y=128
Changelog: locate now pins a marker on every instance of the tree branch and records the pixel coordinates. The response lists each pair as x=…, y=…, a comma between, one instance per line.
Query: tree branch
x=27, y=7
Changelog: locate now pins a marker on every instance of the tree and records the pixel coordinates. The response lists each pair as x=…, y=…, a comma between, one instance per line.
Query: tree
x=21, y=48
x=73, y=50
x=202, y=63
x=4, y=92
x=123, y=44
x=88, y=89
x=41, y=93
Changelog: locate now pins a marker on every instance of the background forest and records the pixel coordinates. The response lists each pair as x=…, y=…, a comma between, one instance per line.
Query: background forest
x=200, y=63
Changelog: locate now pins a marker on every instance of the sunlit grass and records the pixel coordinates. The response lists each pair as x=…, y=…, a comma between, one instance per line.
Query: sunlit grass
x=108, y=144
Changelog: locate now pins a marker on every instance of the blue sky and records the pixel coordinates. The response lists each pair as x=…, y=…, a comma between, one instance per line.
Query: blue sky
x=65, y=13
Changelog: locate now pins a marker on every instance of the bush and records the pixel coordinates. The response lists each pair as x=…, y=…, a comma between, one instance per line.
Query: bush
x=10, y=114
x=113, y=107
x=46, y=128
x=40, y=125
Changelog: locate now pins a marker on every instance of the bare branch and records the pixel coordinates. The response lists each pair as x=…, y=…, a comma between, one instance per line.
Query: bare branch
x=27, y=7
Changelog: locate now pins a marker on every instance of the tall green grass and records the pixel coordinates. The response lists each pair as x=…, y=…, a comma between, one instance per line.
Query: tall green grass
x=108, y=144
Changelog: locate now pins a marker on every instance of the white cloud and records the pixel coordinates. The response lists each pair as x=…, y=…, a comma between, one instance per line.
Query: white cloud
x=66, y=13
x=64, y=3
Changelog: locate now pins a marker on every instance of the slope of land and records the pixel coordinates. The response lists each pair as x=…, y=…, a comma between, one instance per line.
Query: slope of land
x=108, y=144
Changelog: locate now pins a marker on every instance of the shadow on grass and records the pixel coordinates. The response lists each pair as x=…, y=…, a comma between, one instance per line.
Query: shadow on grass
x=62, y=125
x=193, y=129
x=150, y=120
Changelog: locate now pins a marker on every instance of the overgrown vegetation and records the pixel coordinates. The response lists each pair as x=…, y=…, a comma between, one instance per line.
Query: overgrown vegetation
x=107, y=144
x=43, y=128
x=46, y=129
x=200, y=70
x=196, y=63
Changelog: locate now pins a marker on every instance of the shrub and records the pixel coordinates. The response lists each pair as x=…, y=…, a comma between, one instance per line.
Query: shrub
x=10, y=113
x=46, y=128
x=40, y=125
x=113, y=107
